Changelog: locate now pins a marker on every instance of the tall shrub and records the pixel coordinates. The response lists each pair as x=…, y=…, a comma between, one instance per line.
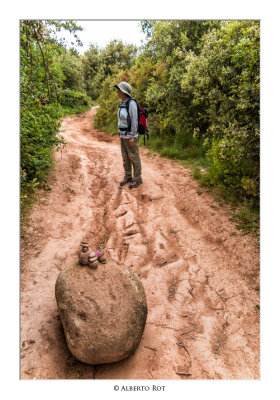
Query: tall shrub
x=224, y=80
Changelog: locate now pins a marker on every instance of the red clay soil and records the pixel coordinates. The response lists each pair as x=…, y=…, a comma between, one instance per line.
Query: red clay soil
x=201, y=281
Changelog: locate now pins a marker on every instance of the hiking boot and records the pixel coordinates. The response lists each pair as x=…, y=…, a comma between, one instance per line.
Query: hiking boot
x=135, y=184
x=125, y=181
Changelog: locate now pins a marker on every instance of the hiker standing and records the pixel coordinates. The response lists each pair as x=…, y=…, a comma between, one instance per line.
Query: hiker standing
x=128, y=131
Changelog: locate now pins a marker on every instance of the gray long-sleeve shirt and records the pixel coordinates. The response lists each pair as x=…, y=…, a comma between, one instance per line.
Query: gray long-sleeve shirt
x=122, y=117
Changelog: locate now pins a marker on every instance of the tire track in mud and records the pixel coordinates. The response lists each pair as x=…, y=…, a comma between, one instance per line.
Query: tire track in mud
x=201, y=283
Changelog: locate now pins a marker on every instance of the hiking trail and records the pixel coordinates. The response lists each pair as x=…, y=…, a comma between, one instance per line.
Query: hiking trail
x=201, y=281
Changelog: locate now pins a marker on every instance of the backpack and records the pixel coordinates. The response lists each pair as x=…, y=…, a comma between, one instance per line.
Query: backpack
x=142, y=119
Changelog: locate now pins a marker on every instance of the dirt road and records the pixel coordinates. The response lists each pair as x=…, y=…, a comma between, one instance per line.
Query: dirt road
x=201, y=281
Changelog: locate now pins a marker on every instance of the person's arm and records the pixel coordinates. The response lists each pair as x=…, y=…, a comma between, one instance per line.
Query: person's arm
x=133, y=117
x=134, y=120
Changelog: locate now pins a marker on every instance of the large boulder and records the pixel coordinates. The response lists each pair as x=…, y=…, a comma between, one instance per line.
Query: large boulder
x=103, y=311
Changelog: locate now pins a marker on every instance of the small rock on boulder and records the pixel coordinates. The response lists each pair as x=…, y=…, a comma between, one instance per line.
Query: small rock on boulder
x=103, y=311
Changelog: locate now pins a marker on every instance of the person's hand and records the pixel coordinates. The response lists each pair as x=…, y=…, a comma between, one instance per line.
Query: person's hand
x=131, y=142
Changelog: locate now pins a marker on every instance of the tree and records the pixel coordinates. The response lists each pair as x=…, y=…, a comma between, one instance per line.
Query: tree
x=72, y=68
x=41, y=80
x=100, y=63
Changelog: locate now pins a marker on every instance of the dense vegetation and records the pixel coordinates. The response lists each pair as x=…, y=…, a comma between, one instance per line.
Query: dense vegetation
x=199, y=80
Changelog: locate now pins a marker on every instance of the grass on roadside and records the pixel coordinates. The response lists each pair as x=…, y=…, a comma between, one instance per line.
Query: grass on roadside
x=67, y=110
x=190, y=153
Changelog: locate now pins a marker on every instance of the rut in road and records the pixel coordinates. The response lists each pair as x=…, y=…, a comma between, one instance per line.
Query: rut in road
x=201, y=283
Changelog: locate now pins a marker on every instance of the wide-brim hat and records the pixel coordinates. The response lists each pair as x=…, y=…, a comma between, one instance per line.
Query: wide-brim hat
x=124, y=87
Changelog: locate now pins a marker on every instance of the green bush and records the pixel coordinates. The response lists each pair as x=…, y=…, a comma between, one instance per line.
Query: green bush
x=38, y=138
x=68, y=97
x=106, y=117
x=224, y=79
x=73, y=71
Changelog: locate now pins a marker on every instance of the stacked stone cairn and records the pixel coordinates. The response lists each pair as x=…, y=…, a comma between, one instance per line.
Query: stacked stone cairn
x=89, y=257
